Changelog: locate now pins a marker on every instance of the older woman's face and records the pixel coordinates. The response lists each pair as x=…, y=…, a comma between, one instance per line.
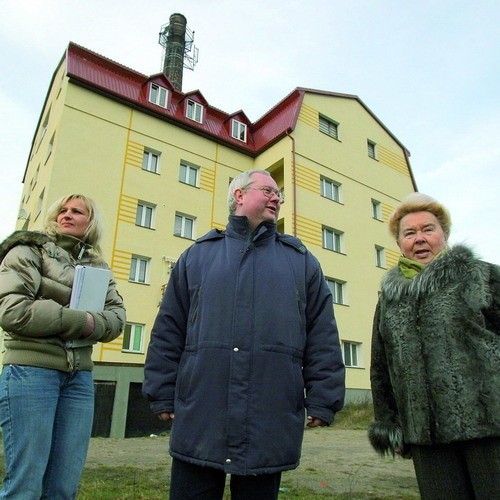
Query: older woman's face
x=73, y=218
x=421, y=237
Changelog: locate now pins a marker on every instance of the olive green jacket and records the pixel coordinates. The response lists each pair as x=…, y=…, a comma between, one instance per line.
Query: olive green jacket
x=36, y=276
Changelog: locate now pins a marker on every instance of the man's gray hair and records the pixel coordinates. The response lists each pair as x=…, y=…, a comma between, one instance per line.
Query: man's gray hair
x=241, y=181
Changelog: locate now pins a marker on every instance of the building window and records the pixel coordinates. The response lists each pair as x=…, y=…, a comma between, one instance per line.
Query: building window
x=239, y=131
x=379, y=256
x=376, y=210
x=133, y=338
x=35, y=177
x=50, y=146
x=332, y=239
x=184, y=226
x=188, y=174
x=338, y=290
x=45, y=125
x=158, y=95
x=139, y=269
x=330, y=189
x=194, y=111
x=328, y=127
x=145, y=213
x=39, y=203
x=351, y=354
x=372, y=152
x=150, y=161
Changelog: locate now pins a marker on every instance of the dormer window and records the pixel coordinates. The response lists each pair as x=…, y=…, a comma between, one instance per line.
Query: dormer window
x=239, y=131
x=194, y=111
x=158, y=95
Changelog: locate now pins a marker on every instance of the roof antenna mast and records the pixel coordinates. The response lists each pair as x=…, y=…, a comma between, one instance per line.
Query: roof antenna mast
x=177, y=41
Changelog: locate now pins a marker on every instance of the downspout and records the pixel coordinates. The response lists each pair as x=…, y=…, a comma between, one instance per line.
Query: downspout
x=294, y=180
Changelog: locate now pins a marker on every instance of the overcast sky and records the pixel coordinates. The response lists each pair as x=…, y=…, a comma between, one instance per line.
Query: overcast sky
x=429, y=70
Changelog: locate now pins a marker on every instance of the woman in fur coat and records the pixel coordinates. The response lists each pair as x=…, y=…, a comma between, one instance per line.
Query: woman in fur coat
x=46, y=386
x=436, y=358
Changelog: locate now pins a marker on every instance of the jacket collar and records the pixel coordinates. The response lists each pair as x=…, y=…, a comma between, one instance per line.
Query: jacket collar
x=239, y=227
x=72, y=245
x=35, y=238
x=457, y=265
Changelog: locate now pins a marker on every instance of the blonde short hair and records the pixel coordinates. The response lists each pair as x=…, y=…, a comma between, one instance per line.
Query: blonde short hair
x=419, y=202
x=93, y=233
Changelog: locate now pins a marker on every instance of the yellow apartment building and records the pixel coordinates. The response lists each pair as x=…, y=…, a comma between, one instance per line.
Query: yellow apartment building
x=158, y=161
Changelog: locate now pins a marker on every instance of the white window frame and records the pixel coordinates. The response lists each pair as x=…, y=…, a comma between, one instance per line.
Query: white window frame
x=330, y=189
x=147, y=161
x=186, y=171
x=380, y=256
x=182, y=224
x=139, y=269
x=145, y=214
x=194, y=111
x=239, y=130
x=158, y=95
x=134, y=330
x=338, y=289
x=351, y=354
x=376, y=210
x=372, y=149
x=333, y=240
x=329, y=127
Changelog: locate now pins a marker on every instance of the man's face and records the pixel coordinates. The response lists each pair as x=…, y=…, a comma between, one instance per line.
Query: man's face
x=253, y=203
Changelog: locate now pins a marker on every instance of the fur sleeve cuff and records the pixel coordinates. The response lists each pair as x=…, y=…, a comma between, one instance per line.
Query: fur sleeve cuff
x=386, y=438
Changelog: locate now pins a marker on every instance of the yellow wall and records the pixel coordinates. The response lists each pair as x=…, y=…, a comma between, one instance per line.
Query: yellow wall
x=98, y=151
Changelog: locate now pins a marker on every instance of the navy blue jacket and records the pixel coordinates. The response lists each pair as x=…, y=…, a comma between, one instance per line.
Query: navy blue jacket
x=246, y=324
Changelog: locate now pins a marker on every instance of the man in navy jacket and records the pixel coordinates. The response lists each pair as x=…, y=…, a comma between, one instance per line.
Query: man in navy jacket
x=244, y=341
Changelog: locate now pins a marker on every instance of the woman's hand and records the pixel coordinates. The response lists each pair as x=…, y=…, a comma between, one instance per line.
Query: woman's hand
x=89, y=325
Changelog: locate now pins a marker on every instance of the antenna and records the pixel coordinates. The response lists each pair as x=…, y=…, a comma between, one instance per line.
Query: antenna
x=22, y=215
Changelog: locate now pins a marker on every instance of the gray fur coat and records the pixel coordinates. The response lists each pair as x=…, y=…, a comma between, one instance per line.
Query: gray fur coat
x=435, y=368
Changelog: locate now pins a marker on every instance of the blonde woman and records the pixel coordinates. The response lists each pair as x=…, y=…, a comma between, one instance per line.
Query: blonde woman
x=46, y=387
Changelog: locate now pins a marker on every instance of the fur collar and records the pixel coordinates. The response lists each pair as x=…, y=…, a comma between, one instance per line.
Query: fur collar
x=35, y=238
x=457, y=266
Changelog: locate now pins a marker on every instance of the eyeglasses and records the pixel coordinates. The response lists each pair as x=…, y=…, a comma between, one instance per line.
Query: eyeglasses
x=269, y=192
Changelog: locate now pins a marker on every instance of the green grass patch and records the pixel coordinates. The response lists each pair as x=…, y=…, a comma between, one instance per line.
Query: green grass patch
x=354, y=416
x=110, y=483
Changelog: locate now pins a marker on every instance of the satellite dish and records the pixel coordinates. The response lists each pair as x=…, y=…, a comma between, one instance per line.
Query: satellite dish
x=22, y=215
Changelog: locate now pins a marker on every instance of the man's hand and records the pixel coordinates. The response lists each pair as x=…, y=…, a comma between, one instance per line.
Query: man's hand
x=166, y=416
x=316, y=422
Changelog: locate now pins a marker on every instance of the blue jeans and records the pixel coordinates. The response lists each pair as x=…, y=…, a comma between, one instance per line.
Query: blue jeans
x=46, y=418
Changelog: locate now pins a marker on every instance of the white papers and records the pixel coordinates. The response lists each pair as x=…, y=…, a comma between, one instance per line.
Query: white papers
x=90, y=286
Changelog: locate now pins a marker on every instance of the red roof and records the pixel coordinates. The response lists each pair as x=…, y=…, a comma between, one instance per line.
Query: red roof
x=117, y=81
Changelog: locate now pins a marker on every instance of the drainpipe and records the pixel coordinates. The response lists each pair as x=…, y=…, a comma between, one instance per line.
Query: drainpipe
x=294, y=177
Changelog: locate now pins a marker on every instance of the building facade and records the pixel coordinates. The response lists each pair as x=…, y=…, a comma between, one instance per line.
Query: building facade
x=158, y=162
